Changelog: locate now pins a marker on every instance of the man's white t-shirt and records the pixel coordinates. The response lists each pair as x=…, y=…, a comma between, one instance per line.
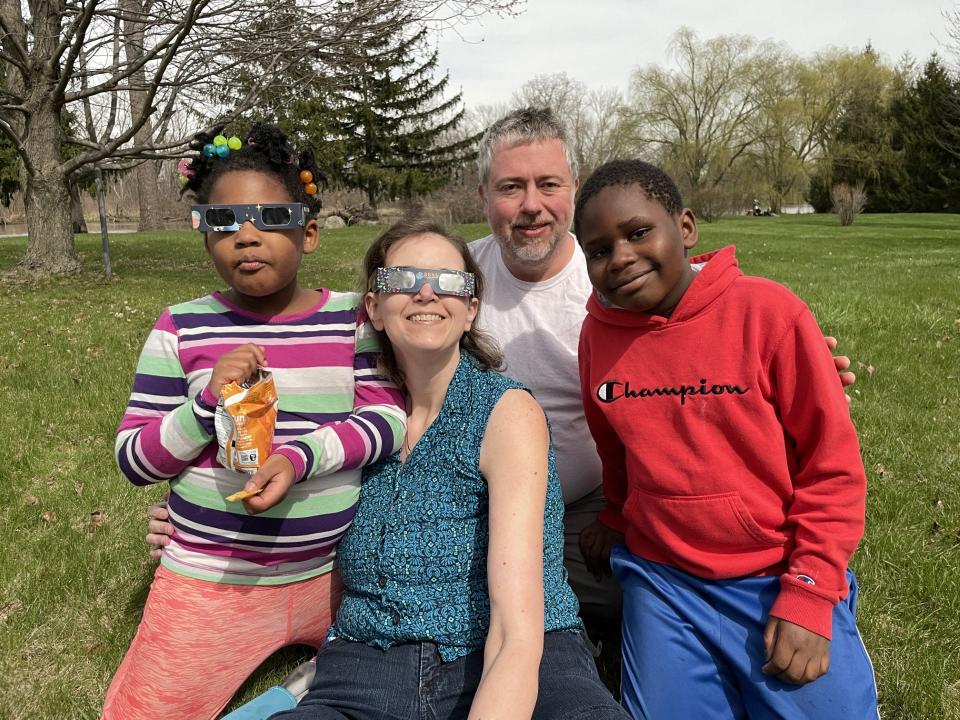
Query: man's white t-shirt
x=538, y=327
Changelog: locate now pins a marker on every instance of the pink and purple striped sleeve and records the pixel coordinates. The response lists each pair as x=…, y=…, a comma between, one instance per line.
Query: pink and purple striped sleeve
x=162, y=430
x=373, y=430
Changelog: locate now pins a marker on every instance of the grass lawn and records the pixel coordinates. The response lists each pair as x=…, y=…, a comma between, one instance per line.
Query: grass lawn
x=73, y=567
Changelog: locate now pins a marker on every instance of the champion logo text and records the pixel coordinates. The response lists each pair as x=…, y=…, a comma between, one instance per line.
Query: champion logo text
x=612, y=390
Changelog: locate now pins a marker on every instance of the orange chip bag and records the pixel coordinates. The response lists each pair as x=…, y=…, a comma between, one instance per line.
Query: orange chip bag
x=245, y=419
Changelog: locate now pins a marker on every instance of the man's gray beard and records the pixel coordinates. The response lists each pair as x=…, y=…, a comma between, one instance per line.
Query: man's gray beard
x=530, y=254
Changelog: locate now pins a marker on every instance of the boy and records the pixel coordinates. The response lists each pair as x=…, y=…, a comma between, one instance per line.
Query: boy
x=730, y=464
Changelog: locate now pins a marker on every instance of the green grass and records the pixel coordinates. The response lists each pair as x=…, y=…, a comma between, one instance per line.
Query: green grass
x=72, y=583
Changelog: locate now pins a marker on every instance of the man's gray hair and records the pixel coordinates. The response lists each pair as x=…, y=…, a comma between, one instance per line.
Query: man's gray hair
x=524, y=125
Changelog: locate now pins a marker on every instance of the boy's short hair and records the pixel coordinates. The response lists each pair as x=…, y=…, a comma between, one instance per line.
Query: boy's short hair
x=524, y=125
x=654, y=182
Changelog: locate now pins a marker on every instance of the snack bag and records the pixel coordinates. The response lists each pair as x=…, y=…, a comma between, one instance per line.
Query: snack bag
x=245, y=419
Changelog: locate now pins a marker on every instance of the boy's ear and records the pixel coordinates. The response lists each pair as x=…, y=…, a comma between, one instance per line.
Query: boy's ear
x=311, y=236
x=371, y=303
x=687, y=223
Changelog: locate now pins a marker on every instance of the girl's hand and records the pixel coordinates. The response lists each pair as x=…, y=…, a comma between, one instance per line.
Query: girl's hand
x=236, y=366
x=275, y=476
x=794, y=654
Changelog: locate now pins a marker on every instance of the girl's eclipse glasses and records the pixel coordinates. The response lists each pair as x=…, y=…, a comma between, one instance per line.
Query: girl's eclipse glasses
x=264, y=216
x=412, y=279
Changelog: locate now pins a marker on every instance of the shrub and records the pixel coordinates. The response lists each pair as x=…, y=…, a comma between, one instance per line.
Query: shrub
x=848, y=202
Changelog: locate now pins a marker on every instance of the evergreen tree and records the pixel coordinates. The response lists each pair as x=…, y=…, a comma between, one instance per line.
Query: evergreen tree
x=379, y=120
x=924, y=127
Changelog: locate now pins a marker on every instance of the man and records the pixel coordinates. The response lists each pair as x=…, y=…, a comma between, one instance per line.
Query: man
x=534, y=304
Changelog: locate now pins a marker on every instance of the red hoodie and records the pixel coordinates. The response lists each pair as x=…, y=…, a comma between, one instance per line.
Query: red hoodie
x=726, y=440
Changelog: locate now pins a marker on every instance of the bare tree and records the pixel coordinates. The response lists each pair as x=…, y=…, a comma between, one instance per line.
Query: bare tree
x=139, y=63
x=701, y=114
x=594, y=118
x=951, y=141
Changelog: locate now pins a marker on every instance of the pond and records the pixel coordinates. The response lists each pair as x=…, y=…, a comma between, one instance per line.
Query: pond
x=8, y=230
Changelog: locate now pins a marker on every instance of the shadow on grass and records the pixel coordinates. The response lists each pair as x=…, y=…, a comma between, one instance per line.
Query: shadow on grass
x=271, y=672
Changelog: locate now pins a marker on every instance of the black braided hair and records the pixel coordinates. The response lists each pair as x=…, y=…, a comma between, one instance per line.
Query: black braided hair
x=265, y=149
x=654, y=182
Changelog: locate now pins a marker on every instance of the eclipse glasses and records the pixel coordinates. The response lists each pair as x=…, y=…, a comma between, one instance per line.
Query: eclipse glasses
x=264, y=216
x=412, y=279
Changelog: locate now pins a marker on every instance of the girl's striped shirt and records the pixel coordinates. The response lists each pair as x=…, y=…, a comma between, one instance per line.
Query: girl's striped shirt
x=335, y=415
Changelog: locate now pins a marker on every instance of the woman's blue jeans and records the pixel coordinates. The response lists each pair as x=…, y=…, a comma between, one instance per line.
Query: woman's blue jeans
x=411, y=682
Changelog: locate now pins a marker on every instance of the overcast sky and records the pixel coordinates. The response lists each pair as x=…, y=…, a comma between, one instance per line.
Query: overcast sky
x=601, y=41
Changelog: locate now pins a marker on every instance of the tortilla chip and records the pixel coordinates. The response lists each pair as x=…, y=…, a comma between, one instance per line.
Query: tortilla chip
x=243, y=495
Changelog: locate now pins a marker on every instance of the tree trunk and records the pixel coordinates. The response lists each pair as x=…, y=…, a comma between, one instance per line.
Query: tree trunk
x=77, y=220
x=46, y=195
x=50, y=250
x=146, y=173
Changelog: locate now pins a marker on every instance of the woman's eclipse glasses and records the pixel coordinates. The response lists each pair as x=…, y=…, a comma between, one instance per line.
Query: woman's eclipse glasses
x=412, y=279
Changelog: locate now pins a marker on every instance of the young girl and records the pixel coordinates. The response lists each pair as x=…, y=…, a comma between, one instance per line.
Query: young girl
x=234, y=586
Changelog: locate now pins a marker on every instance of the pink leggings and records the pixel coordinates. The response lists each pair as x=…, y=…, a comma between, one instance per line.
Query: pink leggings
x=198, y=642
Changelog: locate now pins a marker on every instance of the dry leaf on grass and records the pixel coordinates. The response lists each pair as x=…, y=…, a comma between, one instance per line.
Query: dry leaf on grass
x=31, y=500
x=97, y=519
x=881, y=470
x=49, y=517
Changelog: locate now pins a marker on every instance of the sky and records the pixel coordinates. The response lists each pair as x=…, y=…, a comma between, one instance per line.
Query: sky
x=600, y=42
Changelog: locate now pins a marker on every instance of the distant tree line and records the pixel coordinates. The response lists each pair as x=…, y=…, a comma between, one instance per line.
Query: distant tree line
x=733, y=119
x=118, y=86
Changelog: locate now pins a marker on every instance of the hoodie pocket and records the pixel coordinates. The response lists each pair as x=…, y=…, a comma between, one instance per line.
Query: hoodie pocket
x=715, y=523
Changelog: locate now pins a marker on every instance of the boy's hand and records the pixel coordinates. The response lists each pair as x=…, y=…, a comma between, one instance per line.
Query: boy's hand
x=794, y=654
x=158, y=529
x=842, y=363
x=596, y=539
x=236, y=366
x=275, y=476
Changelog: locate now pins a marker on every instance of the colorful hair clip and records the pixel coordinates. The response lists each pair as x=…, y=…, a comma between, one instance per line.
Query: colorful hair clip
x=186, y=172
x=221, y=146
x=309, y=186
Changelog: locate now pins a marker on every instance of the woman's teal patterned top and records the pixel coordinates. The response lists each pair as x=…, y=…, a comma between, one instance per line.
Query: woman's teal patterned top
x=414, y=562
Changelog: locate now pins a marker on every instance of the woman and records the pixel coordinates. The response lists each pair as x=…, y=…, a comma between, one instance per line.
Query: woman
x=455, y=602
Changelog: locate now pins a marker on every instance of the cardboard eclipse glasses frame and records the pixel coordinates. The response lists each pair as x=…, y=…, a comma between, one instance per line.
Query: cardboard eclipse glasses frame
x=264, y=216
x=405, y=279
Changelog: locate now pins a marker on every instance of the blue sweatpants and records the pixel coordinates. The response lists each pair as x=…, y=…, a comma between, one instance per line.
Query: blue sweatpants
x=693, y=649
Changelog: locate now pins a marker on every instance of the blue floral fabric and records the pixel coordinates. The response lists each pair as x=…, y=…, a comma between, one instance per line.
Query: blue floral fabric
x=414, y=562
